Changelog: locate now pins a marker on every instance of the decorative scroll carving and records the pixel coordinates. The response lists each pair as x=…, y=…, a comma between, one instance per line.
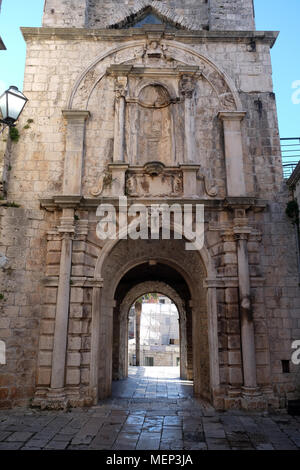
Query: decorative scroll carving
x=210, y=191
x=105, y=181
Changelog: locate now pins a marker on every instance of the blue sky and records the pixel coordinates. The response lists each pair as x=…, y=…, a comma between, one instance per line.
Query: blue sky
x=279, y=15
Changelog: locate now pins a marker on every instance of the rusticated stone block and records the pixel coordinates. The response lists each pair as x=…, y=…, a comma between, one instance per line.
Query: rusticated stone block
x=76, y=295
x=44, y=376
x=73, y=376
x=231, y=295
x=73, y=359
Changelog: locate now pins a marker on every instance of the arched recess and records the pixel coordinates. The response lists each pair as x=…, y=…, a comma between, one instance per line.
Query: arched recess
x=120, y=342
x=133, y=51
x=173, y=263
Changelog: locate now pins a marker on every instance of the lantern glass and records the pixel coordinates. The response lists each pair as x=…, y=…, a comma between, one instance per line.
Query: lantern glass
x=12, y=103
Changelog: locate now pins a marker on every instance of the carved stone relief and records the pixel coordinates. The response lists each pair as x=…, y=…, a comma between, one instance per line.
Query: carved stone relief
x=154, y=180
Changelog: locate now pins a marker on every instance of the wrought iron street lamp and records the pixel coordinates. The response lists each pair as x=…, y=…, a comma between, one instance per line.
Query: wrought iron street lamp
x=12, y=103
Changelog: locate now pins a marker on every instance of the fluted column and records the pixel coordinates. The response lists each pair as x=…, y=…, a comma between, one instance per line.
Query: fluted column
x=212, y=285
x=246, y=314
x=62, y=306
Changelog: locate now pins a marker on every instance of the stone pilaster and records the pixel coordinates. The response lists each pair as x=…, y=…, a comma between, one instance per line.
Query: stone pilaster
x=138, y=311
x=235, y=179
x=72, y=182
x=118, y=178
x=189, y=172
x=183, y=346
x=120, y=110
x=187, y=88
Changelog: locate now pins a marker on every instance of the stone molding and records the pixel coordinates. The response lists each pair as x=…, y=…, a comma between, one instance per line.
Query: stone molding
x=29, y=33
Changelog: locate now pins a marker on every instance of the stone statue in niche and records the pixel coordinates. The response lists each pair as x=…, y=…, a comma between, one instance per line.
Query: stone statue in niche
x=155, y=125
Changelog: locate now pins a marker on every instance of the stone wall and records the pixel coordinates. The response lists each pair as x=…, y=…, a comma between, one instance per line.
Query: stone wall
x=231, y=15
x=22, y=242
x=198, y=14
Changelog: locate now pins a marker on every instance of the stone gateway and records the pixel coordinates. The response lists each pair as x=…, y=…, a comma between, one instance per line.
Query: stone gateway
x=164, y=102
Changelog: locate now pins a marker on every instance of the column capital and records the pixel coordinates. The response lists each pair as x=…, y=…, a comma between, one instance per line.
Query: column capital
x=75, y=114
x=241, y=236
x=119, y=165
x=231, y=115
x=242, y=233
x=189, y=167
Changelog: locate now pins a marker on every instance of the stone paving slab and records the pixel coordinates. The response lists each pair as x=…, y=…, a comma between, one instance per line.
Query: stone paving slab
x=148, y=424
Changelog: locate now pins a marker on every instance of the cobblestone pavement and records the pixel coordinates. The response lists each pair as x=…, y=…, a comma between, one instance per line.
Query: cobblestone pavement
x=152, y=410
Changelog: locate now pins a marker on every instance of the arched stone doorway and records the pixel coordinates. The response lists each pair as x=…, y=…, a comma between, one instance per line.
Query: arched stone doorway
x=127, y=267
x=120, y=325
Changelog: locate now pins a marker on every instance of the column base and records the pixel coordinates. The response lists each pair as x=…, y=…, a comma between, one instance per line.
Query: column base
x=249, y=392
x=233, y=392
x=56, y=399
x=252, y=399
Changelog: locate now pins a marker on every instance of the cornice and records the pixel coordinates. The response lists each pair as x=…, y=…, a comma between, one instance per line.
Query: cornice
x=60, y=202
x=268, y=37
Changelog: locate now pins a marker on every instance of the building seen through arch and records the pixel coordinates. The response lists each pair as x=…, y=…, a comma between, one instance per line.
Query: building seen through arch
x=157, y=329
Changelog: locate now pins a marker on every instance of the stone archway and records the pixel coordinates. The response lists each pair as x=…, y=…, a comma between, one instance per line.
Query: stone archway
x=120, y=370
x=178, y=268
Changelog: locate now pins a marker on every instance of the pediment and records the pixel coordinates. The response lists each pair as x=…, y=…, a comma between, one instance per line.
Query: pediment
x=148, y=16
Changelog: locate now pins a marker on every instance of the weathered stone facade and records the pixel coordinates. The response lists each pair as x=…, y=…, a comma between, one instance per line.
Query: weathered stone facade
x=178, y=113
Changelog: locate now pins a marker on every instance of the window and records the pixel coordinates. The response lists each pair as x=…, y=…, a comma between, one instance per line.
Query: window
x=285, y=366
x=149, y=361
x=165, y=339
x=148, y=19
